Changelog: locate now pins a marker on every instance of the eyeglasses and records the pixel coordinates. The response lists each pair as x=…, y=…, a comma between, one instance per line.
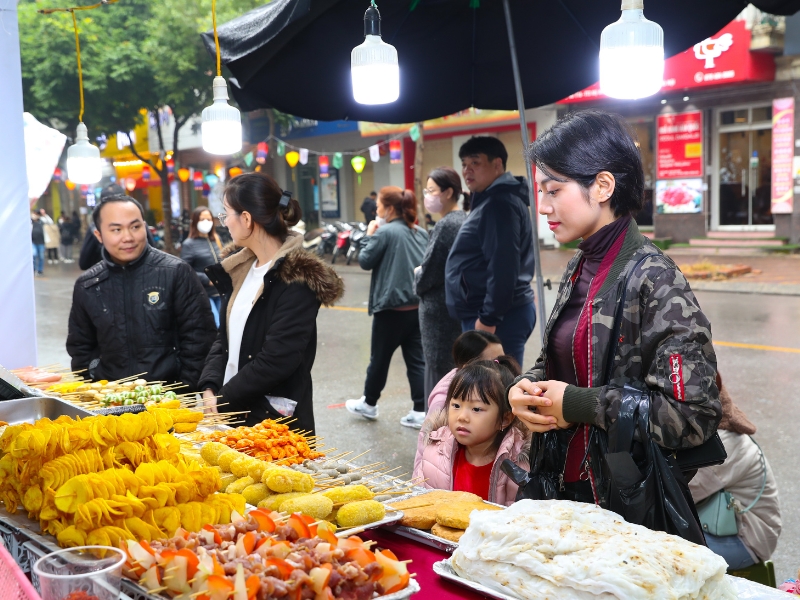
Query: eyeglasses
x=223, y=217
x=429, y=193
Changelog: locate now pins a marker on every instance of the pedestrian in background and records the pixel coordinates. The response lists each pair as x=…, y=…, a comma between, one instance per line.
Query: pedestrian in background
x=202, y=249
x=37, y=241
x=67, y=231
x=439, y=330
x=369, y=207
x=271, y=293
x=490, y=268
x=52, y=238
x=393, y=248
x=139, y=310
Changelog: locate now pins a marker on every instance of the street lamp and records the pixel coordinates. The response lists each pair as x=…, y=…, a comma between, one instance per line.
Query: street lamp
x=631, y=55
x=373, y=65
x=222, y=124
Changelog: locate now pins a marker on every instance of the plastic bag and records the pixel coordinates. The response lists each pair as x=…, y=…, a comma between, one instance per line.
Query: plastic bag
x=540, y=483
x=646, y=484
x=284, y=406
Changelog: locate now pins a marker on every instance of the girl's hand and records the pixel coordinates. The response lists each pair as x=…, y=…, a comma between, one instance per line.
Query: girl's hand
x=372, y=228
x=538, y=405
x=209, y=402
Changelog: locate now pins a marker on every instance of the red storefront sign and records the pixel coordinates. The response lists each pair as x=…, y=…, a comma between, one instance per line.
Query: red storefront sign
x=721, y=59
x=680, y=145
x=782, y=155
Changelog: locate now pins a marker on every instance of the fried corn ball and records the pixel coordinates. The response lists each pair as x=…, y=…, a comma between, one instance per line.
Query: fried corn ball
x=358, y=513
x=255, y=493
x=313, y=505
x=240, y=465
x=275, y=501
x=225, y=480
x=257, y=468
x=349, y=493
x=184, y=427
x=211, y=452
x=237, y=487
x=224, y=459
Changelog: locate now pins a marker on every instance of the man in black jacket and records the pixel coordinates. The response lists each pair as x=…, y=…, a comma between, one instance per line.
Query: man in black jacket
x=490, y=266
x=139, y=309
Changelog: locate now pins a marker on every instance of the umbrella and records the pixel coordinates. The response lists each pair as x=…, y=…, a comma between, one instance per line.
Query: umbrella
x=294, y=55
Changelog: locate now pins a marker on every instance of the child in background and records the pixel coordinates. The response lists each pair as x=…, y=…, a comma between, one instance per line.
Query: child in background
x=477, y=432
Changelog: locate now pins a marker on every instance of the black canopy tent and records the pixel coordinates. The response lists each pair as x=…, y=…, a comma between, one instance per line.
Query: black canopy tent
x=294, y=55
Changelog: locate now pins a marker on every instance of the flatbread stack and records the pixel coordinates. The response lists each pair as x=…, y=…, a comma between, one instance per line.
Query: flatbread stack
x=570, y=550
x=444, y=512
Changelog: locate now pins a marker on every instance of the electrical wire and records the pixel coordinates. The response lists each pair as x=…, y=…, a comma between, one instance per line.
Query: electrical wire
x=216, y=37
x=78, y=55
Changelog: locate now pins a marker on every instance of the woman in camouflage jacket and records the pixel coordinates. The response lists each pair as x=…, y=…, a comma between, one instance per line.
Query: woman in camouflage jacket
x=590, y=181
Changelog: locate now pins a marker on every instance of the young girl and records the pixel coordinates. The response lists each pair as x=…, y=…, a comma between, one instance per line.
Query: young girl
x=477, y=432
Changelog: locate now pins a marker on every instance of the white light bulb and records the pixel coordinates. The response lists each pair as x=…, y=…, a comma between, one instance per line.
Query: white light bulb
x=373, y=65
x=84, y=165
x=631, y=55
x=222, y=123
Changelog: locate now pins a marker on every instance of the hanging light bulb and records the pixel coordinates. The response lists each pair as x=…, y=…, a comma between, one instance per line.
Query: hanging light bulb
x=222, y=123
x=631, y=55
x=84, y=165
x=373, y=65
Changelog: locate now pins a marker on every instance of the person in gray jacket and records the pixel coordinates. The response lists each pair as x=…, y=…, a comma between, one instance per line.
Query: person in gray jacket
x=393, y=248
x=202, y=249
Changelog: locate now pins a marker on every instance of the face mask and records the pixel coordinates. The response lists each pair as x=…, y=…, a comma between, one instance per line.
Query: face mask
x=204, y=226
x=433, y=203
x=381, y=221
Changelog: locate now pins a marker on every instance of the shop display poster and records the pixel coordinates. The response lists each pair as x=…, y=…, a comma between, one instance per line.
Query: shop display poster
x=680, y=145
x=679, y=196
x=782, y=155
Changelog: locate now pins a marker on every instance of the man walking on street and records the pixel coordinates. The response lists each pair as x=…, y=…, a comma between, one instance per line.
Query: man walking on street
x=491, y=264
x=37, y=241
x=139, y=309
x=370, y=207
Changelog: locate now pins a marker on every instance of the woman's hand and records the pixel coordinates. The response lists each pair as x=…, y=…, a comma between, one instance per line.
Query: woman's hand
x=372, y=227
x=209, y=402
x=538, y=405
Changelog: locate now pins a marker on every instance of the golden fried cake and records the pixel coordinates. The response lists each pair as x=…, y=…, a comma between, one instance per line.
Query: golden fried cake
x=434, y=497
x=447, y=533
x=456, y=514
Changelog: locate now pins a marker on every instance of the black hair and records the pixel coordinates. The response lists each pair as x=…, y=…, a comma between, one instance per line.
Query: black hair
x=110, y=199
x=471, y=344
x=484, y=144
x=112, y=189
x=260, y=195
x=583, y=144
x=486, y=379
x=373, y=193
x=448, y=178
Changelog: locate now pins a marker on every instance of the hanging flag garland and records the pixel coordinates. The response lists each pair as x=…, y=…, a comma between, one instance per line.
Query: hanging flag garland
x=303, y=156
x=338, y=160
x=323, y=166
x=248, y=159
x=375, y=153
x=262, y=151
x=281, y=148
x=414, y=133
x=198, y=180
x=395, y=152
x=146, y=174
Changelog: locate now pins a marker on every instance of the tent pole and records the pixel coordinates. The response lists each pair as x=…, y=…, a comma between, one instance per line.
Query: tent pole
x=541, y=318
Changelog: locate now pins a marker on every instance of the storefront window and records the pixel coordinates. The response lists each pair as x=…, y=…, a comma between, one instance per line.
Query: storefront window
x=645, y=140
x=733, y=117
x=762, y=113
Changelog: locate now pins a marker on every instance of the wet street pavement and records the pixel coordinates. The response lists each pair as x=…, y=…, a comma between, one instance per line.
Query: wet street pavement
x=757, y=338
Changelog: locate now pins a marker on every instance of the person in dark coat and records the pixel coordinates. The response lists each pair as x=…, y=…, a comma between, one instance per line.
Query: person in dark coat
x=271, y=292
x=490, y=267
x=67, y=229
x=91, y=250
x=139, y=310
x=370, y=207
x=37, y=241
x=439, y=330
x=202, y=249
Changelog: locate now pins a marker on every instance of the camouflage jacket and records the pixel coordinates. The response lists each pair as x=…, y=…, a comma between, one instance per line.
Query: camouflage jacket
x=664, y=347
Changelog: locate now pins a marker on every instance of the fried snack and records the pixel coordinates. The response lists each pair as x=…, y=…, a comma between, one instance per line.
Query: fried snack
x=184, y=427
x=313, y=505
x=239, y=465
x=419, y=518
x=237, y=487
x=434, y=497
x=212, y=451
x=225, y=480
x=284, y=480
x=255, y=493
x=257, y=467
x=456, y=515
x=275, y=501
x=225, y=459
x=349, y=493
x=448, y=533
x=358, y=513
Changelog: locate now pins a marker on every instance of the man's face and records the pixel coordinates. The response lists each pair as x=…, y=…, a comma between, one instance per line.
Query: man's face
x=479, y=172
x=122, y=231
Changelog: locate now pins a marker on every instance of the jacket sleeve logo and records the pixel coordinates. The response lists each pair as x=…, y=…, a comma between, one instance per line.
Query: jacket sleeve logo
x=676, y=377
x=153, y=298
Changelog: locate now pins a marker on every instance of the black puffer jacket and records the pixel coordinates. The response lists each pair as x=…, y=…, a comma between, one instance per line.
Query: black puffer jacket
x=149, y=316
x=279, y=343
x=201, y=252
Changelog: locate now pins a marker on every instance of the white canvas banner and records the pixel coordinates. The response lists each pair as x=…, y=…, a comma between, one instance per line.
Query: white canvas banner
x=43, y=148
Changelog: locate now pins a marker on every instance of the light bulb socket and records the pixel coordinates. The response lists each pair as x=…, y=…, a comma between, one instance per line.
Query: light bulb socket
x=372, y=22
x=632, y=4
x=82, y=133
x=220, y=88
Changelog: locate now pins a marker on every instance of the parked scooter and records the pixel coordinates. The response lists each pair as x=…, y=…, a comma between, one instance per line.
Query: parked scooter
x=327, y=240
x=357, y=239
x=342, y=240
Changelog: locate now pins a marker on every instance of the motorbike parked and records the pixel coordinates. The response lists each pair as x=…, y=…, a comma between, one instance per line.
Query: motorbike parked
x=342, y=240
x=357, y=239
x=326, y=241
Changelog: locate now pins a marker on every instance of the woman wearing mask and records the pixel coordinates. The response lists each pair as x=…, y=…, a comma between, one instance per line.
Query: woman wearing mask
x=393, y=248
x=202, y=249
x=590, y=182
x=439, y=330
x=271, y=291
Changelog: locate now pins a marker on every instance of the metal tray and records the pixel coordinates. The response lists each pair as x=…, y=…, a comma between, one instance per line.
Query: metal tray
x=392, y=516
x=28, y=410
x=445, y=570
x=425, y=537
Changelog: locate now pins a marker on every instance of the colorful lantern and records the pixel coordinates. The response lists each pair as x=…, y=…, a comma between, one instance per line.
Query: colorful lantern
x=212, y=179
x=198, y=180
x=375, y=153
x=303, y=156
x=262, y=151
x=338, y=161
x=146, y=174
x=130, y=184
x=395, y=152
x=323, y=166
x=184, y=174
x=170, y=167
x=57, y=174
x=235, y=171
x=292, y=158
x=281, y=148
x=358, y=163
x=206, y=190
x=70, y=185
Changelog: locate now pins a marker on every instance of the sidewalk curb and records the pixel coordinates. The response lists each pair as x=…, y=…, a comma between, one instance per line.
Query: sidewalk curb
x=746, y=288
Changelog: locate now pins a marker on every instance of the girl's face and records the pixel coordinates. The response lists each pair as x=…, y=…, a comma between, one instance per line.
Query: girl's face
x=570, y=214
x=472, y=421
x=239, y=225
